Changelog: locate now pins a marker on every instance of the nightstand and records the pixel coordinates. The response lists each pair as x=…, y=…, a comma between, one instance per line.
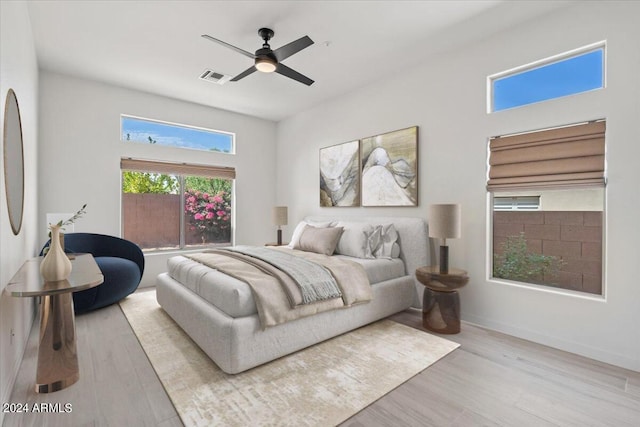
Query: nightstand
x=441, y=301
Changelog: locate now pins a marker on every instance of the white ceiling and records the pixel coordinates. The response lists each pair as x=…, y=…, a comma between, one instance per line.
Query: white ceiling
x=155, y=46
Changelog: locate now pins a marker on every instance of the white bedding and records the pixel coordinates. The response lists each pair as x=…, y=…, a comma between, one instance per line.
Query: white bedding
x=235, y=340
x=234, y=297
x=378, y=269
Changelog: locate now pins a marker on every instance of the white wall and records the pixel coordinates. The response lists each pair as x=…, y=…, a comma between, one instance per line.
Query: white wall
x=80, y=152
x=19, y=71
x=446, y=98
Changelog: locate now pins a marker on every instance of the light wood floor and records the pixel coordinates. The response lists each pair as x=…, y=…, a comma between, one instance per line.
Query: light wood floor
x=495, y=379
x=492, y=379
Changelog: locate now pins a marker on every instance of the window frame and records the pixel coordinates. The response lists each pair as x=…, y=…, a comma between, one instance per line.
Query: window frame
x=541, y=63
x=600, y=298
x=496, y=192
x=232, y=151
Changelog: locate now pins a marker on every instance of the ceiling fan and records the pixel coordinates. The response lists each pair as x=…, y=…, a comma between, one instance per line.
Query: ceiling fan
x=267, y=60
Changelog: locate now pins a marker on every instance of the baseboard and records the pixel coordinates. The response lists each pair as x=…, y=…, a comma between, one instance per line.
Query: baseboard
x=621, y=360
x=13, y=375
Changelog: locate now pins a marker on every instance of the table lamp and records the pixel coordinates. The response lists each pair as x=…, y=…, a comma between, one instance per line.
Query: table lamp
x=444, y=223
x=280, y=218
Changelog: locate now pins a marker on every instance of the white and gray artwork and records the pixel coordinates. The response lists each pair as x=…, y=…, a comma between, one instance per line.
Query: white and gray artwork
x=390, y=168
x=339, y=175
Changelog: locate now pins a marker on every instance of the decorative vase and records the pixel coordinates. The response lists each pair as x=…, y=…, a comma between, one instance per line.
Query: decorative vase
x=55, y=265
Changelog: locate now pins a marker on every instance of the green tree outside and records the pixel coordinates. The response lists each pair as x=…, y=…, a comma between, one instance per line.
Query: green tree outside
x=146, y=182
x=207, y=185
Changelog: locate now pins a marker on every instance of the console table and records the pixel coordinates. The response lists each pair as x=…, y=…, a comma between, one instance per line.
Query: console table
x=441, y=302
x=57, y=354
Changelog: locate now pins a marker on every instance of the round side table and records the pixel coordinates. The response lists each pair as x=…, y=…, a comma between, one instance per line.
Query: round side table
x=441, y=302
x=57, y=366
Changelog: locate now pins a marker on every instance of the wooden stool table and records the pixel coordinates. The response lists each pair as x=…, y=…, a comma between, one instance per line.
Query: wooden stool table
x=441, y=302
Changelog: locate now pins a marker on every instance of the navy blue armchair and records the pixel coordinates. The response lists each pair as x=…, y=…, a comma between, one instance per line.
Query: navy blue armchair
x=121, y=262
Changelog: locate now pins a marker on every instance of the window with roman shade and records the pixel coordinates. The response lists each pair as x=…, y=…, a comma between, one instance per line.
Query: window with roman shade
x=560, y=243
x=167, y=205
x=561, y=157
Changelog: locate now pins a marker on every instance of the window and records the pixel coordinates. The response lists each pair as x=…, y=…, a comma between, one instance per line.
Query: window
x=147, y=131
x=548, y=79
x=516, y=203
x=176, y=206
x=560, y=243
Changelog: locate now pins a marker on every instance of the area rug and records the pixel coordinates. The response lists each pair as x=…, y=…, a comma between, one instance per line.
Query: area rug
x=322, y=385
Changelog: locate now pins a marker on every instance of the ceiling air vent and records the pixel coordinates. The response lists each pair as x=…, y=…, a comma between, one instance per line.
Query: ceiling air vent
x=214, y=77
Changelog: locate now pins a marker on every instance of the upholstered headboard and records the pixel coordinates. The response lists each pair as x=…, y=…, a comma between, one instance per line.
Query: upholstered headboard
x=412, y=237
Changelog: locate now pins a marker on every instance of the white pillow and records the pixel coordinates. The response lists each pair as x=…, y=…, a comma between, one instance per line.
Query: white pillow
x=388, y=237
x=297, y=232
x=363, y=240
x=395, y=250
x=356, y=239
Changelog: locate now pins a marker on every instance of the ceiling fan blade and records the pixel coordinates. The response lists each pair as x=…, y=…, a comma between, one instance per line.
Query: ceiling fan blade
x=230, y=46
x=244, y=74
x=293, y=47
x=292, y=74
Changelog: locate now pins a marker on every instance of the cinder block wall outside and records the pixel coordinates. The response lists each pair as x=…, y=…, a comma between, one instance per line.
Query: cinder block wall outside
x=153, y=220
x=573, y=236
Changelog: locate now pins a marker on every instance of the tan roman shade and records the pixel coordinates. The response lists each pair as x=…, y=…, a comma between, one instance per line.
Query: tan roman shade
x=560, y=157
x=177, y=168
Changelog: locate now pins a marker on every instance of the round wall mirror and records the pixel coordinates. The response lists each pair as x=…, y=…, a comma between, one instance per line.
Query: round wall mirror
x=13, y=161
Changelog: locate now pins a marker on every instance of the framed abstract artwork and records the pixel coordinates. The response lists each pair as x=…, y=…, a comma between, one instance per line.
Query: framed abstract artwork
x=390, y=168
x=340, y=175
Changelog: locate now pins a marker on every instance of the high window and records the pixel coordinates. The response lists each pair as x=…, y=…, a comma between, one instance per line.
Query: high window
x=176, y=206
x=134, y=129
x=560, y=243
x=567, y=74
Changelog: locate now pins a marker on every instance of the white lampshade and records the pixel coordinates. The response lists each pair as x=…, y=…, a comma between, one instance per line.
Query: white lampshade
x=280, y=215
x=444, y=221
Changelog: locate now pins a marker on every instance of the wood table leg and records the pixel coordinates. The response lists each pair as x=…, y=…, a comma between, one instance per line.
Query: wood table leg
x=441, y=311
x=57, y=353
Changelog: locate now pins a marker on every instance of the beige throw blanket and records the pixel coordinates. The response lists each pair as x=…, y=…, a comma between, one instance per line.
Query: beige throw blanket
x=314, y=281
x=274, y=302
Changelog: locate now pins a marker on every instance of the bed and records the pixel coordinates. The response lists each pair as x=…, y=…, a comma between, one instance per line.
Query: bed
x=219, y=312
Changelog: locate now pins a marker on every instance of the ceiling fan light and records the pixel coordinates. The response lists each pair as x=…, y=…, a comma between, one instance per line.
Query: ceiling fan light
x=265, y=65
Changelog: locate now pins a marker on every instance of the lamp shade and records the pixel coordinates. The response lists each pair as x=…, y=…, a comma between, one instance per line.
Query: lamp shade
x=265, y=64
x=444, y=221
x=280, y=215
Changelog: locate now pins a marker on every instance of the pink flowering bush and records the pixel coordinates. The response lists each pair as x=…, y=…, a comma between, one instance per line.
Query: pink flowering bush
x=209, y=215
